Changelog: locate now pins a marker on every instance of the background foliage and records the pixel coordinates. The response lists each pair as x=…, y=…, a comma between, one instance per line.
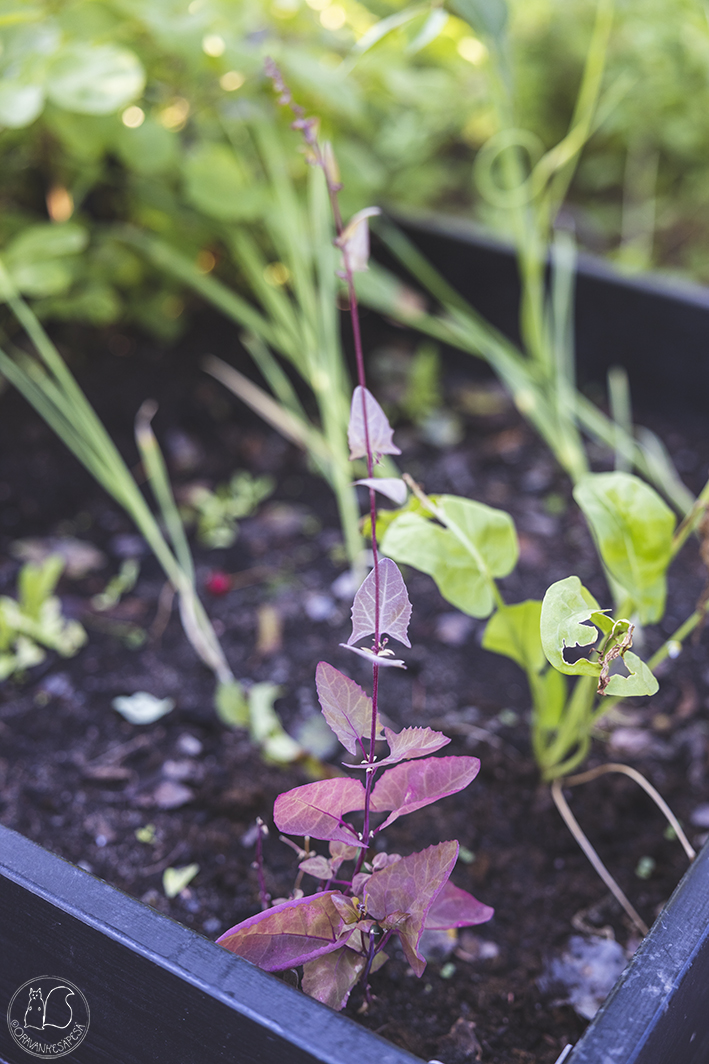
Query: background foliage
x=141, y=110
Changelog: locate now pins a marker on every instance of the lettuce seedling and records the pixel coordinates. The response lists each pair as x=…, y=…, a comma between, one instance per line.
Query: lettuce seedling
x=34, y=620
x=339, y=933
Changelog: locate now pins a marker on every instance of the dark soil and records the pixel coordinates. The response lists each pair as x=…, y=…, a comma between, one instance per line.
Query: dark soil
x=77, y=778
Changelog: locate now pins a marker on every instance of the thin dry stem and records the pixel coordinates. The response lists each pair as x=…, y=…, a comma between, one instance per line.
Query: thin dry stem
x=626, y=770
x=583, y=841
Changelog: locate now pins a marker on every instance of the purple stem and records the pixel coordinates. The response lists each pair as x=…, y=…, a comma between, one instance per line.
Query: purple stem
x=308, y=128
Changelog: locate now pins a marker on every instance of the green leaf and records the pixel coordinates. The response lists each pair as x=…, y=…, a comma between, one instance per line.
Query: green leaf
x=47, y=241
x=266, y=728
x=174, y=880
x=549, y=691
x=94, y=79
x=487, y=17
x=36, y=583
x=640, y=681
x=479, y=544
x=20, y=103
x=142, y=707
x=566, y=606
x=149, y=149
x=514, y=632
x=40, y=259
x=39, y=279
x=216, y=184
x=231, y=705
x=632, y=527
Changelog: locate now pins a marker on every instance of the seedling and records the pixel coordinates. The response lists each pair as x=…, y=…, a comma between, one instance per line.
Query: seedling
x=339, y=933
x=46, y=382
x=34, y=620
x=218, y=512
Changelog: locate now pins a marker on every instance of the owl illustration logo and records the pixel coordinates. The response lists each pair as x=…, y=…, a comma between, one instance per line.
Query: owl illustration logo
x=52, y=1011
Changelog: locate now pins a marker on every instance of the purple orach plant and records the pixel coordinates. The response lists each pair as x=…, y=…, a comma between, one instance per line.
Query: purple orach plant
x=339, y=934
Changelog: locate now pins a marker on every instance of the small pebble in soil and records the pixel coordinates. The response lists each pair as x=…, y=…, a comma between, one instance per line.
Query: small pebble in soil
x=474, y=948
x=171, y=795
x=319, y=607
x=700, y=816
x=178, y=770
x=584, y=973
x=632, y=742
x=128, y=545
x=189, y=745
x=58, y=685
x=453, y=629
x=460, y=1044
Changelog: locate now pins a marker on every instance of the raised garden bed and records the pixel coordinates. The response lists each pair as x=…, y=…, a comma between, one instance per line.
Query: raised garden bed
x=80, y=781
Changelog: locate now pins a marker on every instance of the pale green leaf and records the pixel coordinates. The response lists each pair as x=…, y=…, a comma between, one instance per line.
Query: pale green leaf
x=266, y=728
x=94, y=79
x=514, y=632
x=216, y=184
x=174, y=880
x=549, y=691
x=633, y=528
x=149, y=149
x=486, y=17
x=47, y=240
x=20, y=103
x=479, y=544
x=142, y=708
x=39, y=279
x=640, y=680
x=231, y=705
x=566, y=607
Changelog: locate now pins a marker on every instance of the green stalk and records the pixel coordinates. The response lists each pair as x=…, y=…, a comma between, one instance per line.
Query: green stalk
x=573, y=732
x=59, y=400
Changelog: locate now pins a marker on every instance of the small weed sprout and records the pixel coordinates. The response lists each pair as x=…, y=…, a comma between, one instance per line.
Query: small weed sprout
x=339, y=933
x=217, y=513
x=34, y=620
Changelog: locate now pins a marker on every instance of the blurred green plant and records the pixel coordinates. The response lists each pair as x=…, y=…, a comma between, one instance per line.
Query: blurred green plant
x=217, y=513
x=529, y=185
x=466, y=547
x=34, y=620
x=117, y=110
x=288, y=266
x=48, y=385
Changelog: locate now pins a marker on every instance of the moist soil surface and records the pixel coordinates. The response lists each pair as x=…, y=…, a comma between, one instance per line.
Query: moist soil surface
x=82, y=781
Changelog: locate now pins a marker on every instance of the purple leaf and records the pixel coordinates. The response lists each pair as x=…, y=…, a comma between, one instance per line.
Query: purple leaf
x=382, y=658
x=381, y=434
x=346, y=707
x=404, y=892
x=456, y=908
x=288, y=934
x=393, y=487
x=394, y=605
x=358, y=882
x=316, y=809
x=412, y=742
x=317, y=866
x=382, y=860
x=413, y=784
x=341, y=852
x=330, y=978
